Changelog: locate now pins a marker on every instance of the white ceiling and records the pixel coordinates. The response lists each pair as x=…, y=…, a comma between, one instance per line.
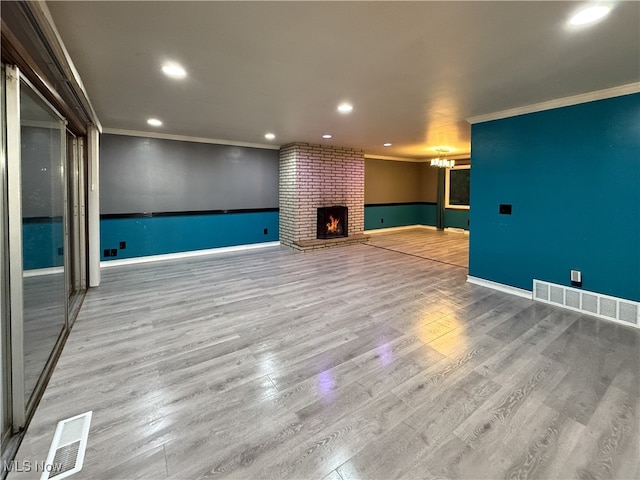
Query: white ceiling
x=414, y=71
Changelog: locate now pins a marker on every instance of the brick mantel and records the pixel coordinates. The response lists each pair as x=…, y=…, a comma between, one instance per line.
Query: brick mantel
x=313, y=176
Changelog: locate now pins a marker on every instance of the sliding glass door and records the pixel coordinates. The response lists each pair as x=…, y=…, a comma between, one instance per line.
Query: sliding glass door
x=5, y=342
x=42, y=160
x=43, y=244
x=76, y=266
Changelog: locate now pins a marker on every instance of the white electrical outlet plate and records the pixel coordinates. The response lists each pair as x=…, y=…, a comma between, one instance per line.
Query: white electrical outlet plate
x=576, y=276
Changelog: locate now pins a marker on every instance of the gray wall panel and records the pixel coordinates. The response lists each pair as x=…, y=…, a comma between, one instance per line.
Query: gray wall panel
x=154, y=175
x=42, y=193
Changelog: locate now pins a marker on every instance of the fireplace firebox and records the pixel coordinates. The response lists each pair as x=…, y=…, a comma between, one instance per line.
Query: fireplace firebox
x=332, y=222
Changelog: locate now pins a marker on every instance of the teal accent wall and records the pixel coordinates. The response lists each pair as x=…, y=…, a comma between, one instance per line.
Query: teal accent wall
x=399, y=215
x=428, y=214
x=456, y=218
x=572, y=176
x=156, y=235
x=41, y=241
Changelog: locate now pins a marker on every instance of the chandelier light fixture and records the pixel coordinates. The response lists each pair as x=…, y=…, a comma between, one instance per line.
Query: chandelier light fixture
x=441, y=160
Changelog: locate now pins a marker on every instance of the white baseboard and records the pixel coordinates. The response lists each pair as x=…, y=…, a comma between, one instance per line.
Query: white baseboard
x=397, y=229
x=500, y=287
x=457, y=230
x=193, y=253
x=38, y=272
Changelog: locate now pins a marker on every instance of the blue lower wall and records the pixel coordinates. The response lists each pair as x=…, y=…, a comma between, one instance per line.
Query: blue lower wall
x=399, y=215
x=156, y=235
x=42, y=240
x=572, y=176
x=456, y=218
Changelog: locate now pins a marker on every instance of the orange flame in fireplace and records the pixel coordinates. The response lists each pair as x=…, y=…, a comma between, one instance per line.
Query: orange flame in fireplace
x=332, y=226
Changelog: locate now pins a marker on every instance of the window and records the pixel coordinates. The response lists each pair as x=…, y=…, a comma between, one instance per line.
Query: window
x=456, y=194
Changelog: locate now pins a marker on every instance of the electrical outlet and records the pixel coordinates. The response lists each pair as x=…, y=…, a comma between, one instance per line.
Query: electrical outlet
x=60, y=250
x=123, y=245
x=576, y=278
x=266, y=231
x=106, y=253
x=382, y=220
x=114, y=252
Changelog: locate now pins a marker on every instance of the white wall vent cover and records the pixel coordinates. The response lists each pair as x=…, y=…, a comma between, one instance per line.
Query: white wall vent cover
x=620, y=310
x=66, y=454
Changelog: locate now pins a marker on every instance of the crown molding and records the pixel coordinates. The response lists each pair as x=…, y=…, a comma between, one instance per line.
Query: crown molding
x=184, y=138
x=459, y=156
x=560, y=102
x=398, y=159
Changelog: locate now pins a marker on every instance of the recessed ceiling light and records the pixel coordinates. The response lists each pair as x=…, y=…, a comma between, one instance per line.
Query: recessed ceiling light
x=387, y=144
x=345, y=108
x=326, y=135
x=589, y=14
x=174, y=70
x=269, y=136
x=154, y=122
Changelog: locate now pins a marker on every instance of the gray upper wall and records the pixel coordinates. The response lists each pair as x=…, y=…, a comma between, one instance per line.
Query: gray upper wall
x=42, y=187
x=139, y=174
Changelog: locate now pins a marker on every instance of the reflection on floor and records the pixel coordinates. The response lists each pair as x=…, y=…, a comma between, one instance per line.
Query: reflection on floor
x=352, y=362
x=443, y=246
x=44, y=318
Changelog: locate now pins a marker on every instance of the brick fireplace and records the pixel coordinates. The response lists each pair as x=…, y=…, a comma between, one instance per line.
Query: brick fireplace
x=314, y=176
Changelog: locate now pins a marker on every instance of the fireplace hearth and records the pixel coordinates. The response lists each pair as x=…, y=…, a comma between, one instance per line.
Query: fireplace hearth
x=332, y=222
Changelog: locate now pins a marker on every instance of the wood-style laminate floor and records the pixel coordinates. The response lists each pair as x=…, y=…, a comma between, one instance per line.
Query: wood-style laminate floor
x=446, y=246
x=44, y=320
x=352, y=362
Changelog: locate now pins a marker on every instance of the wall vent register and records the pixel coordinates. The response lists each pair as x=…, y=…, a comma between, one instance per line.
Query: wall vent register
x=626, y=312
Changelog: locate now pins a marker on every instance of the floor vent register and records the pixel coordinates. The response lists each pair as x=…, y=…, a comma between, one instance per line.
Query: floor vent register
x=66, y=454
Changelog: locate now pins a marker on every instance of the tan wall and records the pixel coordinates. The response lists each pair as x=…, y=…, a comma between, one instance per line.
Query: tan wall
x=429, y=183
x=391, y=181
